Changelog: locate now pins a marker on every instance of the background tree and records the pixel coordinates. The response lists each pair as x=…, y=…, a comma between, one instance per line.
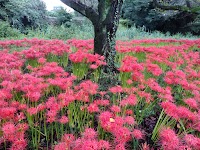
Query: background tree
x=22, y=14
x=62, y=17
x=104, y=15
x=166, y=15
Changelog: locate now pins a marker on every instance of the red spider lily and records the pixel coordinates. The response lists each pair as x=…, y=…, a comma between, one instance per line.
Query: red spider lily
x=89, y=133
x=115, y=109
x=145, y=95
x=137, y=134
x=184, y=112
x=129, y=112
x=145, y=146
x=169, y=139
x=102, y=144
x=122, y=135
x=9, y=131
x=61, y=146
x=154, y=85
x=53, y=108
x=93, y=107
x=89, y=87
x=66, y=98
x=192, y=103
x=192, y=141
x=120, y=147
x=102, y=102
x=19, y=144
x=7, y=112
x=116, y=89
x=63, y=120
x=129, y=120
x=130, y=100
x=32, y=111
x=105, y=120
x=86, y=144
x=154, y=69
x=78, y=57
x=170, y=109
x=19, y=117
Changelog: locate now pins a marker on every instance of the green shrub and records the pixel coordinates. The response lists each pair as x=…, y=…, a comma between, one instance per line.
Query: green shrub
x=6, y=31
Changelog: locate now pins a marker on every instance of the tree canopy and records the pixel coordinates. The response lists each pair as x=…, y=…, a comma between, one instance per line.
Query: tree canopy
x=23, y=13
x=61, y=16
x=166, y=15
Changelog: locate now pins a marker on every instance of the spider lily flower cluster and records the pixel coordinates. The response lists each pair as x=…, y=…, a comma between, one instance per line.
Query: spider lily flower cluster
x=50, y=96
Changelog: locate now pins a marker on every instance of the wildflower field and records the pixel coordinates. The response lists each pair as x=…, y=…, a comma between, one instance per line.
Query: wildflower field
x=55, y=95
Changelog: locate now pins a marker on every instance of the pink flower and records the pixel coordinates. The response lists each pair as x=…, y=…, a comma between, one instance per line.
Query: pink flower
x=19, y=144
x=129, y=112
x=192, y=141
x=20, y=116
x=129, y=81
x=102, y=102
x=63, y=120
x=115, y=109
x=41, y=60
x=145, y=146
x=184, y=112
x=154, y=69
x=89, y=133
x=120, y=146
x=169, y=140
x=137, y=134
x=103, y=145
x=93, y=66
x=61, y=146
x=170, y=109
x=68, y=138
x=129, y=120
x=32, y=111
x=116, y=89
x=89, y=145
x=122, y=134
x=130, y=100
x=93, y=108
x=89, y=87
x=9, y=131
x=7, y=112
x=191, y=102
x=106, y=120
x=33, y=96
x=78, y=57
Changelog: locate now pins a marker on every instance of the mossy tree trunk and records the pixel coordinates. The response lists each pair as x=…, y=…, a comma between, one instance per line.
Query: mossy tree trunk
x=105, y=20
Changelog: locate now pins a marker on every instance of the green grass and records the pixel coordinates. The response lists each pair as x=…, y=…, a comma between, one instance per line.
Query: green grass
x=85, y=31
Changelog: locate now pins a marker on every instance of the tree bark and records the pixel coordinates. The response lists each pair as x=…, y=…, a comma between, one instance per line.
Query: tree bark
x=105, y=32
x=104, y=44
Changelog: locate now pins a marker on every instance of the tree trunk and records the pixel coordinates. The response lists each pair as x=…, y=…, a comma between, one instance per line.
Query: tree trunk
x=105, y=33
x=104, y=44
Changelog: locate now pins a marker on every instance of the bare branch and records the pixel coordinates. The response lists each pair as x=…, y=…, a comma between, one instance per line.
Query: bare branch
x=83, y=9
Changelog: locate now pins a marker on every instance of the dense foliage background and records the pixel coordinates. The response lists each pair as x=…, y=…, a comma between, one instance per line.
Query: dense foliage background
x=21, y=14
x=144, y=13
x=29, y=18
